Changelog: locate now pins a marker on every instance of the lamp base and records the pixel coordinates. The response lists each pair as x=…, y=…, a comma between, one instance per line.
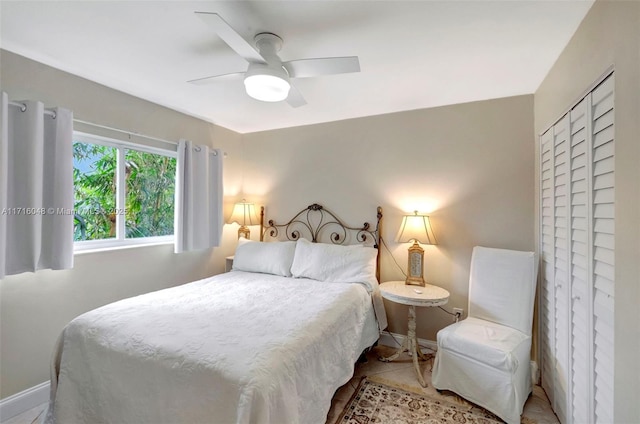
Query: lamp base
x=243, y=231
x=415, y=269
x=413, y=281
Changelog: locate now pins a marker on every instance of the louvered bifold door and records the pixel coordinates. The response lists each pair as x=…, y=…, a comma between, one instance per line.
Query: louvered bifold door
x=603, y=247
x=547, y=241
x=577, y=250
x=561, y=264
x=581, y=350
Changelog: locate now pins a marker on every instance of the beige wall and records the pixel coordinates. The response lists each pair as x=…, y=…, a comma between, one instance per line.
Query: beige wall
x=610, y=36
x=34, y=307
x=470, y=165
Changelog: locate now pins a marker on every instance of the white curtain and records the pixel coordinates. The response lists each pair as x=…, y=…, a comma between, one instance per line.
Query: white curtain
x=198, y=217
x=36, y=188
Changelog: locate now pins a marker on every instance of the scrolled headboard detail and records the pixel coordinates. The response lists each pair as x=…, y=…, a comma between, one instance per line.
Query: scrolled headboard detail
x=317, y=224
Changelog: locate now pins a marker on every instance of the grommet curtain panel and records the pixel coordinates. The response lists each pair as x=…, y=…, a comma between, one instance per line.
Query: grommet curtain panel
x=198, y=216
x=36, y=188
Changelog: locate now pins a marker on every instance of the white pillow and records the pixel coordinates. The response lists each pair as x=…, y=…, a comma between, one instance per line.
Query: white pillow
x=268, y=258
x=335, y=263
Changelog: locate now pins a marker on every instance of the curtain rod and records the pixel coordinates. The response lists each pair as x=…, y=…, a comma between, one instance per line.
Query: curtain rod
x=174, y=143
x=23, y=108
x=104, y=127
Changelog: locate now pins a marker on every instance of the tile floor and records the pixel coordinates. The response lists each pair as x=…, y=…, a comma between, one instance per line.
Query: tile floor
x=400, y=371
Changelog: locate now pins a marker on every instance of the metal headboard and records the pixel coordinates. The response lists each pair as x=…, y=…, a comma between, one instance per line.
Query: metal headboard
x=314, y=221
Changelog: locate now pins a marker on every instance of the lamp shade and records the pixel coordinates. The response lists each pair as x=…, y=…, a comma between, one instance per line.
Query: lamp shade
x=416, y=228
x=244, y=214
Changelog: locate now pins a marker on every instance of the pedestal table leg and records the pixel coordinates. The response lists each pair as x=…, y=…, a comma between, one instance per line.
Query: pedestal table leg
x=414, y=349
x=410, y=345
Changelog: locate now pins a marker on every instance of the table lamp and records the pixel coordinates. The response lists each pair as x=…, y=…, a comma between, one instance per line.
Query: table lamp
x=244, y=214
x=416, y=228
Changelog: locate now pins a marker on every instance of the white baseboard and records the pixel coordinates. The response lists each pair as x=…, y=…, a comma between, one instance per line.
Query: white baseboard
x=387, y=339
x=23, y=401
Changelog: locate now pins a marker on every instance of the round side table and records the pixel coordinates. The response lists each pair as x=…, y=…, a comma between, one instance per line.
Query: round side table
x=429, y=295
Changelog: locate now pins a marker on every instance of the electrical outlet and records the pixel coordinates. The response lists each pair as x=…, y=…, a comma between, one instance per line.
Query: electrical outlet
x=458, y=313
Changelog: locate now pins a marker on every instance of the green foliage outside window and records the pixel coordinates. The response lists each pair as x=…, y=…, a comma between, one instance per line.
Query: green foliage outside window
x=94, y=180
x=149, y=195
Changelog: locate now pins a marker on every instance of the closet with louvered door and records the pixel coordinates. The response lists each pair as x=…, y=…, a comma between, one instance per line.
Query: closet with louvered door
x=576, y=296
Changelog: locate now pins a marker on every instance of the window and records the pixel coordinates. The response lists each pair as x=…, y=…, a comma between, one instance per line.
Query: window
x=124, y=193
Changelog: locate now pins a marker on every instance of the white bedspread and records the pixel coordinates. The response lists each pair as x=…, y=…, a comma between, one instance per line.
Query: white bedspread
x=234, y=348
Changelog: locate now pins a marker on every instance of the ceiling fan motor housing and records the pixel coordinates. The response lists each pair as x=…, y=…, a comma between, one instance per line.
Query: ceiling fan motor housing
x=267, y=81
x=267, y=69
x=267, y=41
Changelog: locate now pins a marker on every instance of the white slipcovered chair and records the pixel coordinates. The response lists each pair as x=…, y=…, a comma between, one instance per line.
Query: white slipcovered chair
x=486, y=357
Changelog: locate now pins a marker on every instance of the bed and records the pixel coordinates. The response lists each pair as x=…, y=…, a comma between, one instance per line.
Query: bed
x=269, y=342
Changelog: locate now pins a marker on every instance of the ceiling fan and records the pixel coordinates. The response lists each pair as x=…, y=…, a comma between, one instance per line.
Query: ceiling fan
x=268, y=78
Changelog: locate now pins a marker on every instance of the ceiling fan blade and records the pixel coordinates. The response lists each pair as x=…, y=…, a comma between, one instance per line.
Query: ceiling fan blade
x=231, y=37
x=217, y=78
x=304, y=68
x=295, y=98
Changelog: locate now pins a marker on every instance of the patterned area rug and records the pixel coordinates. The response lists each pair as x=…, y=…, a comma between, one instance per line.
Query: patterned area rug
x=374, y=402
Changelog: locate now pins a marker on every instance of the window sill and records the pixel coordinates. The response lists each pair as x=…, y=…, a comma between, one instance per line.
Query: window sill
x=108, y=247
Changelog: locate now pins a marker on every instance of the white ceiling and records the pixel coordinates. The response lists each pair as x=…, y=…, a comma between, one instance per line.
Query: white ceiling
x=413, y=54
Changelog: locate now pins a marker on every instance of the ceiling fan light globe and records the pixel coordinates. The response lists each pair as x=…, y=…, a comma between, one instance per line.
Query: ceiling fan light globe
x=267, y=88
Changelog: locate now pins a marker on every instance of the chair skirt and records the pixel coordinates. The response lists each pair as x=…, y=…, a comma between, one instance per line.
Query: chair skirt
x=500, y=391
